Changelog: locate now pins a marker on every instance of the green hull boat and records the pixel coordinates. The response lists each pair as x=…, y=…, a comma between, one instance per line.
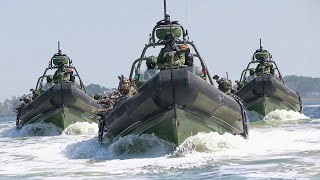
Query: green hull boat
x=176, y=97
x=177, y=130
x=62, y=100
x=174, y=105
x=264, y=105
x=63, y=104
x=62, y=117
x=262, y=89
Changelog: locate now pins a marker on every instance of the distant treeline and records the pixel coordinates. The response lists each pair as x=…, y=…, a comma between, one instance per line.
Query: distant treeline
x=96, y=88
x=307, y=87
x=8, y=106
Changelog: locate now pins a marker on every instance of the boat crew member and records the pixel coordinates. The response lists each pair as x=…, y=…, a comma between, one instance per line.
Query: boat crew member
x=152, y=70
x=49, y=83
x=62, y=74
x=109, y=102
x=225, y=85
x=35, y=94
x=270, y=65
x=251, y=75
x=260, y=68
x=170, y=55
x=125, y=87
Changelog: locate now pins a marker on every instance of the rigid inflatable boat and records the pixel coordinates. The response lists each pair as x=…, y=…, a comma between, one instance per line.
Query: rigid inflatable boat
x=62, y=100
x=175, y=96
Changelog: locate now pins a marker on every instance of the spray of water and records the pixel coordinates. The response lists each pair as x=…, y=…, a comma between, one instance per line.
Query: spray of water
x=36, y=129
x=81, y=128
x=131, y=146
x=284, y=115
x=48, y=129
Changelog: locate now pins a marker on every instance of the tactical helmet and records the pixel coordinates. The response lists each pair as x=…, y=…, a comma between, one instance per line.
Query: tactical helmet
x=224, y=84
x=26, y=99
x=151, y=62
x=96, y=96
x=124, y=85
x=251, y=71
x=189, y=59
x=49, y=78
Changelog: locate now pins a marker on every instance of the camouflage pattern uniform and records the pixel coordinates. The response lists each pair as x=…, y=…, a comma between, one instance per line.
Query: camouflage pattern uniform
x=62, y=74
x=109, y=102
x=170, y=56
x=225, y=85
x=24, y=101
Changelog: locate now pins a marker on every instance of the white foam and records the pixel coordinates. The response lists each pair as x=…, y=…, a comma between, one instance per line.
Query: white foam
x=284, y=115
x=147, y=154
x=36, y=129
x=128, y=146
x=81, y=128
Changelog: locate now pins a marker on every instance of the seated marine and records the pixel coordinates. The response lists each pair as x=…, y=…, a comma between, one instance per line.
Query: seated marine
x=109, y=102
x=62, y=74
x=260, y=68
x=225, y=85
x=49, y=83
x=251, y=75
x=152, y=70
x=125, y=87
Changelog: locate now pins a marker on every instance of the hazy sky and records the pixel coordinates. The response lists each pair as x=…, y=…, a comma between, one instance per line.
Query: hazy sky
x=104, y=37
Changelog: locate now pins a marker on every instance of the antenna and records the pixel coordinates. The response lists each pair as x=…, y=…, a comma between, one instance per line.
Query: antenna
x=227, y=75
x=165, y=8
x=261, y=48
x=59, y=51
x=166, y=16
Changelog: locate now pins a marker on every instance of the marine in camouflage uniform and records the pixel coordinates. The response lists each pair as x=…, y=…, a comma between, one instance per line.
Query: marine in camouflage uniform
x=24, y=101
x=109, y=102
x=168, y=58
x=170, y=55
x=264, y=57
x=62, y=74
x=225, y=85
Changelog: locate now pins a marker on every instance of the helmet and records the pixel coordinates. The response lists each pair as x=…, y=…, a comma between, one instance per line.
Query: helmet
x=124, y=85
x=49, y=78
x=189, y=59
x=26, y=99
x=251, y=71
x=96, y=96
x=151, y=62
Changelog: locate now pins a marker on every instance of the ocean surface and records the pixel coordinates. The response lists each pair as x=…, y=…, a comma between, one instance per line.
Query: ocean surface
x=285, y=145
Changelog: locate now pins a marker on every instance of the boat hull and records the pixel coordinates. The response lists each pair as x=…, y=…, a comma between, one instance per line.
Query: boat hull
x=175, y=105
x=265, y=94
x=63, y=104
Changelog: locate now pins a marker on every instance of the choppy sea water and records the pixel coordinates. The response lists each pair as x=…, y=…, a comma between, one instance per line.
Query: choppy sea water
x=285, y=145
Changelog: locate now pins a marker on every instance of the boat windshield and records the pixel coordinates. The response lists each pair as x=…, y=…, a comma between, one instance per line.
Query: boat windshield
x=148, y=74
x=52, y=76
x=255, y=69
